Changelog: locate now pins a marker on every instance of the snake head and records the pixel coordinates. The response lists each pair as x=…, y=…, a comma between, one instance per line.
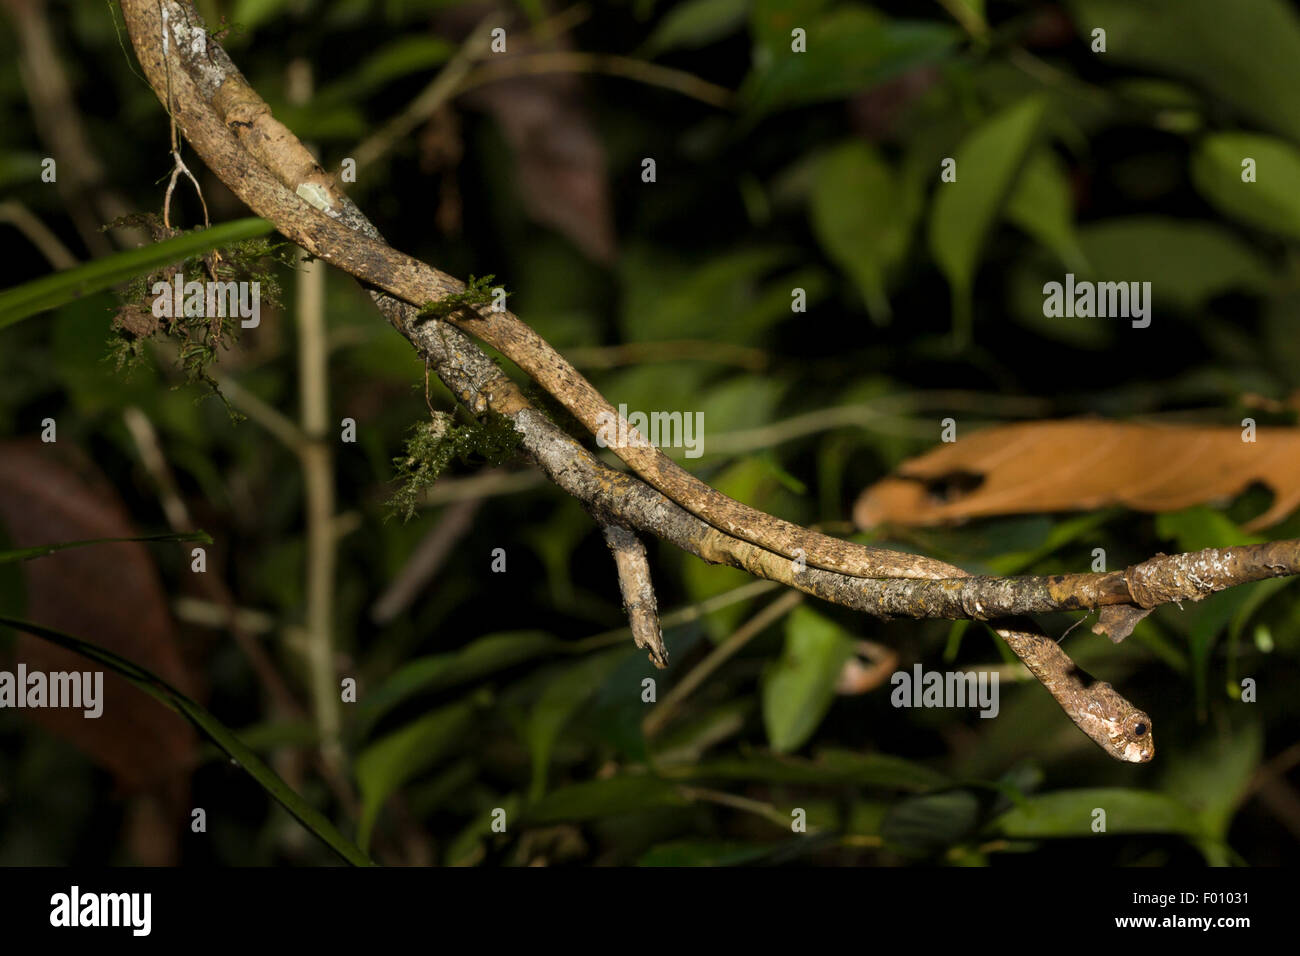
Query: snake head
x=1134, y=742
x=1121, y=729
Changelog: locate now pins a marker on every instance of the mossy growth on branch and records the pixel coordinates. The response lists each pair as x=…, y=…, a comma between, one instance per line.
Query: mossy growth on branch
x=477, y=292
x=433, y=444
x=199, y=338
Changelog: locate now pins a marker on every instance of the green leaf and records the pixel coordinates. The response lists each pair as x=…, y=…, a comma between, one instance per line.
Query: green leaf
x=861, y=217
x=17, y=168
x=1210, y=618
x=324, y=121
x=477, y=659
x=250, y=14
x=697, y=23
x=799, y=687
x=763, y=767
x=1069, y=813
x=735, y=404
x=1272, y=202
x=270, y=736
x=687, y=740
x=772, y=20
x=157, y=688
x=467, y=848
x=748, y=481
x=879, y=770
x=831, y=768
x=1212, y=779
x=409, y=54
x=1199, y=527
x=964, y=210
x=850, y=48
x=1060, y=533
x=79, y=339
x=1246, y=53
x=1260, y=593
x=52, y=291
x=703, y=853
x=1041, y=205
x=592, y=799
x=388, y=763
x=675, y=298
x=932, y=821
x=559, y=701
x=27, y=554
x=1186, y=262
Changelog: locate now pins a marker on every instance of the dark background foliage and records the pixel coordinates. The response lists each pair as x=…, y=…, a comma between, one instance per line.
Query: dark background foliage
x=517, y=690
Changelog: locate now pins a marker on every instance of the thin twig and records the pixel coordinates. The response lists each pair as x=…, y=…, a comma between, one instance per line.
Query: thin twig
x=424, y=562
x=38, y=234
x=625, y=67
x=970, y=19
x=81, y=180
x=638, y=591
x=487, y=484
x=636, y=353
x=662, y=713
x=757, y=807
x=317, y=465
x=681, y=615
x=443, y=88
x=210, y=614
x=280, y=426
x=145, y=437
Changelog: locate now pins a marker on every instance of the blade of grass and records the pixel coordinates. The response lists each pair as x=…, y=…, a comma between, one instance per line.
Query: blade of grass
x=40, y=551
x=156, y=687
x=52, y=291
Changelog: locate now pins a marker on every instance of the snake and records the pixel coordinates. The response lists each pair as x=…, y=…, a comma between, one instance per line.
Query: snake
x=268, y=168
x=1096, y=708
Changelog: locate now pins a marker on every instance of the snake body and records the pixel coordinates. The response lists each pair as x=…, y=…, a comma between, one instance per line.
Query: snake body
x=1100, y=711
x=266, y=166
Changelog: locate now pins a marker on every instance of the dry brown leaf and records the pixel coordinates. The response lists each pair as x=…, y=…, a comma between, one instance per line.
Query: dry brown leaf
x=1117, y=621
x=110, y=594
x=1085, y=465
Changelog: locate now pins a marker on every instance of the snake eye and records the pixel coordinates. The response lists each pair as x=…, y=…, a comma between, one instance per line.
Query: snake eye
x=1139, y=725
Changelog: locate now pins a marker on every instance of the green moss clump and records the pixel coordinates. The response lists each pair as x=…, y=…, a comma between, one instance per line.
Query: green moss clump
x=199, y=338
x=477, y=292
x=433, y=444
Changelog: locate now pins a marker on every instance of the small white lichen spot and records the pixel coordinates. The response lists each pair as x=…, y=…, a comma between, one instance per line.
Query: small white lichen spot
x=315, y=194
